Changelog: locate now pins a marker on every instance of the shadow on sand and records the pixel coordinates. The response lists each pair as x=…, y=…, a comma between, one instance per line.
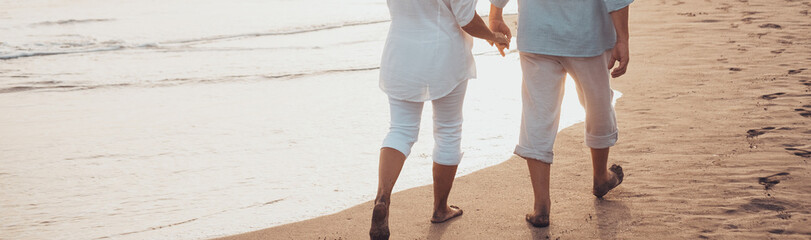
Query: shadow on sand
x=611, y=215
x=436, y=230
x=539, y=233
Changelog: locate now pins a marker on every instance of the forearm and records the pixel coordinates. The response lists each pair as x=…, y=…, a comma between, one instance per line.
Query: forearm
x=495, y=13
x=620, y=19
x=477, y=28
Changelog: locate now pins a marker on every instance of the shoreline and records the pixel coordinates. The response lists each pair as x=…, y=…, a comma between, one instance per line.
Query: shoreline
x=714, y=127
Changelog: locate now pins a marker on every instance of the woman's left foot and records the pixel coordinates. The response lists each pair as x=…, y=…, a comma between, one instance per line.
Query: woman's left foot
x=380, y=222
x=538, y=220
x=450, y=213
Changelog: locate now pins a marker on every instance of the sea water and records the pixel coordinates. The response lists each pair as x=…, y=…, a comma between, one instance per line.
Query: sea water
x=181, y=119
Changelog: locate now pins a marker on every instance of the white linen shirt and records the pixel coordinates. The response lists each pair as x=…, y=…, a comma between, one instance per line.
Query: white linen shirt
x=427, y=54
x=568, y=28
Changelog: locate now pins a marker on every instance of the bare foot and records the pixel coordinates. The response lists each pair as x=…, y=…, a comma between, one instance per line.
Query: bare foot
x=538, y=220
x=614, y=180
x=380, y=222
x=448, y=214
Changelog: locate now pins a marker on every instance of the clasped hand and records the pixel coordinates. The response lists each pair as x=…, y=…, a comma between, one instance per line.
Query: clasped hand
x=502, y=36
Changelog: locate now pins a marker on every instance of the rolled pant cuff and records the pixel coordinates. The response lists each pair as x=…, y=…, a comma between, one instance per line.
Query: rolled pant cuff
x=601, y=142
x=448, y=159
x=403, y=148
x=525, y=153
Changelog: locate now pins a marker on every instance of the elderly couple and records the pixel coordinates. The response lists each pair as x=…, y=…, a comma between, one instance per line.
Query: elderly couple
x=428, y=57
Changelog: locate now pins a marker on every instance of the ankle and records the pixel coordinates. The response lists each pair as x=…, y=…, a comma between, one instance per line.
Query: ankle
x=542, y=208
x=541, y=212
x=601, y=178
x=384, y=200
x=444, y=208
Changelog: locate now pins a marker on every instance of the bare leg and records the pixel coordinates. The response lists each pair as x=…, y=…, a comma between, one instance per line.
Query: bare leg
x=599, y=164
x=539, y=175
x=391, y=162
x=443, y=181
x=605, y=179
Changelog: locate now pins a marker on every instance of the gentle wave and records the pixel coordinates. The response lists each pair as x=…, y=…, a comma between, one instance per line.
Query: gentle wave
x=92, y=46
x=60, y=86
x=72, y=21
x=194, y=219
x=49, y=53
x=274, y=33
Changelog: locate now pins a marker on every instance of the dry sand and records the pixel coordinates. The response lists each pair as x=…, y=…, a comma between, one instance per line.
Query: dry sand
x=716, y=100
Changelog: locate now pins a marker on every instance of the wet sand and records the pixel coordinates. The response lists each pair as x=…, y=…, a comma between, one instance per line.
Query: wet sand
x=715, y=124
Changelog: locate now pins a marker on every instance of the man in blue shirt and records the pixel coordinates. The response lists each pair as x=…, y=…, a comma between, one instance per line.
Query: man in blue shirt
x=584, y=38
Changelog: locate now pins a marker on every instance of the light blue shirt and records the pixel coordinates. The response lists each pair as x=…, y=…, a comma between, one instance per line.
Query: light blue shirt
x=569, y=28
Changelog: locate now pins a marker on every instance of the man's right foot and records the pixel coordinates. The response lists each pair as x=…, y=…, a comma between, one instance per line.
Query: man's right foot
x=380, y=222
x=538, y=220
x=613, y=181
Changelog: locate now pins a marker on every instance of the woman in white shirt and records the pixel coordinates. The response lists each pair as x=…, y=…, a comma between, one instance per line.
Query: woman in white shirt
x=427, y=57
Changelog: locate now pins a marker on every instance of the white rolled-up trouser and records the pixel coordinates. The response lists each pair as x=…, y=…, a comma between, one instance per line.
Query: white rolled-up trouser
x=542, y=93
x=405, y=126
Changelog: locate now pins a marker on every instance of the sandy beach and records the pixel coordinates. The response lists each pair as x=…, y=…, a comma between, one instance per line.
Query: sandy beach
x=715, y=137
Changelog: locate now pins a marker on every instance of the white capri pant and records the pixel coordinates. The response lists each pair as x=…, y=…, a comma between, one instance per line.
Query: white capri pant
x=542, y=94
x=405, y=126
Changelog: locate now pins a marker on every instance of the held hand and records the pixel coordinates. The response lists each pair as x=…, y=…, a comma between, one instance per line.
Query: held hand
x=498, y=26
x=501, y=41
x=621, y=54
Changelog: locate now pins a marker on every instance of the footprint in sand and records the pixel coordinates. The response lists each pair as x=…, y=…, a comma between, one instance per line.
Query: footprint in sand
x=759, y=204
x=757, y=132
x=796, y=71
x=748, y=20
x=691, y=14
x=770, y=25
x=799, y=152
x=770, y=204
x=803, y=111
x=752, y=134
x=777, y=231
x=792, y=148
x=772, y=96
x=758, y=35
x=769, y=181
x=710, y=21
x=784, y=41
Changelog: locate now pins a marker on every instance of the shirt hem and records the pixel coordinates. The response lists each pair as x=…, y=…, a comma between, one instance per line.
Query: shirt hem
x=565, y=54
x=429, y=98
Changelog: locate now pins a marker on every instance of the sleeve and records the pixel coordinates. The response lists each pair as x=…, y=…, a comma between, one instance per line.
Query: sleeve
x=463, y=10
x=499, y=3
x=614, y=5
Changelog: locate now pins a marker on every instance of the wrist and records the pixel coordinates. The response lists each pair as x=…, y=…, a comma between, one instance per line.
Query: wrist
x=493, y=37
